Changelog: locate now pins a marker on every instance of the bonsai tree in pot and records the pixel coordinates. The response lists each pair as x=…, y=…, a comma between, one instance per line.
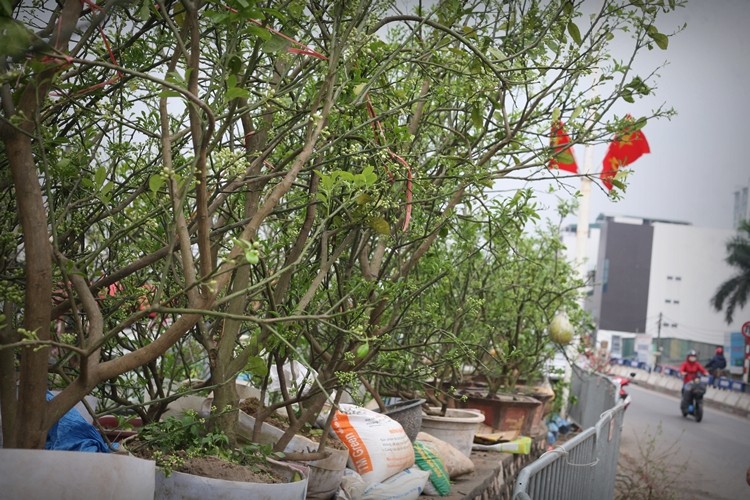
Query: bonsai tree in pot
x=484, y=321
x=525, y=287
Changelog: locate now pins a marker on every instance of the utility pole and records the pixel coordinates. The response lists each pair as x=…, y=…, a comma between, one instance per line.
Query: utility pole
x=658, y=341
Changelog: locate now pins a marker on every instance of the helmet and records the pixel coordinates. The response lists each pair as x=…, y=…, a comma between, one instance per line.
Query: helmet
x=692, y=353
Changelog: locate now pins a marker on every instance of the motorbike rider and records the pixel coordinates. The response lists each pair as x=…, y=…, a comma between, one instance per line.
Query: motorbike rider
x=716, y=365
x=689, y=370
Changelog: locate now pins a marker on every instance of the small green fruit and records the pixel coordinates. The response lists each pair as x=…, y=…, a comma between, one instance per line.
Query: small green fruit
x=363, y=350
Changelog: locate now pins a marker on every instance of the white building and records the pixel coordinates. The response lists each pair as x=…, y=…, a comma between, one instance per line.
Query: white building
x=653, y=284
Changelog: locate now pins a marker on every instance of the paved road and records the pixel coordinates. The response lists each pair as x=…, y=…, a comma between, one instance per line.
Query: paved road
x=708, y=459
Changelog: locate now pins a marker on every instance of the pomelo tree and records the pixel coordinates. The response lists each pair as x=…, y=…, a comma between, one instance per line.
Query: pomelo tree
x=264, y=179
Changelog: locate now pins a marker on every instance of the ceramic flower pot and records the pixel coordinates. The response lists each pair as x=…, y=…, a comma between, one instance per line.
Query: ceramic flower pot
x=506, y=412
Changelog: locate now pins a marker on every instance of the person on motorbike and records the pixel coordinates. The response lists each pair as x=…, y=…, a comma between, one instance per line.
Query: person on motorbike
x=716, y=365
x=689, y=370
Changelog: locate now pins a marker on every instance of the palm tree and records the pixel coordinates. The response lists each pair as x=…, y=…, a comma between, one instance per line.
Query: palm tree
x=736, y=289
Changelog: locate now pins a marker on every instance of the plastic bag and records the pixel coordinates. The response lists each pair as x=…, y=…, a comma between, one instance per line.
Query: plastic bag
x=73, y=433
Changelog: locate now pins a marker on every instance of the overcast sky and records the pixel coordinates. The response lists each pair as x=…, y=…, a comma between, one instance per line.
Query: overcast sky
x=700, y=157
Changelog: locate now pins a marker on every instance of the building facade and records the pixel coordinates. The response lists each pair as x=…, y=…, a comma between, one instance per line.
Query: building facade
x=653, y=283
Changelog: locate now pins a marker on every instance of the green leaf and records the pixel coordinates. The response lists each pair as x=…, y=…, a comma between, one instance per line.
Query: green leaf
x=568, y=8
x=176, y=78
x=106, y=189
x=661, y=40
x=217, y=17
x=627, y=95
x=235, y=92
x=275, y=13
x=99, y=176
x=358, y=89
x=575, y=33
x=346, y=176
x=144, y=10
x=155, y=182
x=363, y=198
x=369, y=175
x=169, y=93
x=105, y=193
x=261, y=33
x=380, y=226
x=257, y=366
x=637, y=124
x=496, y=53
x=14, y=38
x=276, y=44
x=552, y=45
x=476, y=118
x=6, y=8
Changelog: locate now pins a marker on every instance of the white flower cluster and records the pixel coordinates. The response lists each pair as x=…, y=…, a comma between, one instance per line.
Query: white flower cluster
x=230, y=163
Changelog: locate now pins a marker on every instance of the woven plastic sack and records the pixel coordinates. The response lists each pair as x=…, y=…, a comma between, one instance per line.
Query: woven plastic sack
x=378, y=446
x=440, y=482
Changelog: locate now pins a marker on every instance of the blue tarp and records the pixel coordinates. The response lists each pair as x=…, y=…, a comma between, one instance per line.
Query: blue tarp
x=73, y=433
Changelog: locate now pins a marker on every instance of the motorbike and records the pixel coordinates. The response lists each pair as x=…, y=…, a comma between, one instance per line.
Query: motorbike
x=692, y=399
x=622, y=383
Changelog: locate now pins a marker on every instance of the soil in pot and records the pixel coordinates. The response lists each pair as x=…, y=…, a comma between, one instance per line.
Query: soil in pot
x=210, y=466
x=252, y=405
x=327, y=473
x=217, y=468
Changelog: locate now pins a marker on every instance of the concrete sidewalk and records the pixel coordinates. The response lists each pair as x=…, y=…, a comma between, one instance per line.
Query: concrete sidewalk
x=731, y=401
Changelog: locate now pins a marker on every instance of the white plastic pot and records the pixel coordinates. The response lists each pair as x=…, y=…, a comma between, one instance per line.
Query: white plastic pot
x=457, y=427
x=179, y=486
x=74, y=475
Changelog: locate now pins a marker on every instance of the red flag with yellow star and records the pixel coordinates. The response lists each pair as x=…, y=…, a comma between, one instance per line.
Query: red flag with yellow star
x=563, y=158
x=623, y=150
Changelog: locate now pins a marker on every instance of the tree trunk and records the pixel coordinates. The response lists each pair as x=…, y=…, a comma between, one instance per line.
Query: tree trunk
x=30, y=431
